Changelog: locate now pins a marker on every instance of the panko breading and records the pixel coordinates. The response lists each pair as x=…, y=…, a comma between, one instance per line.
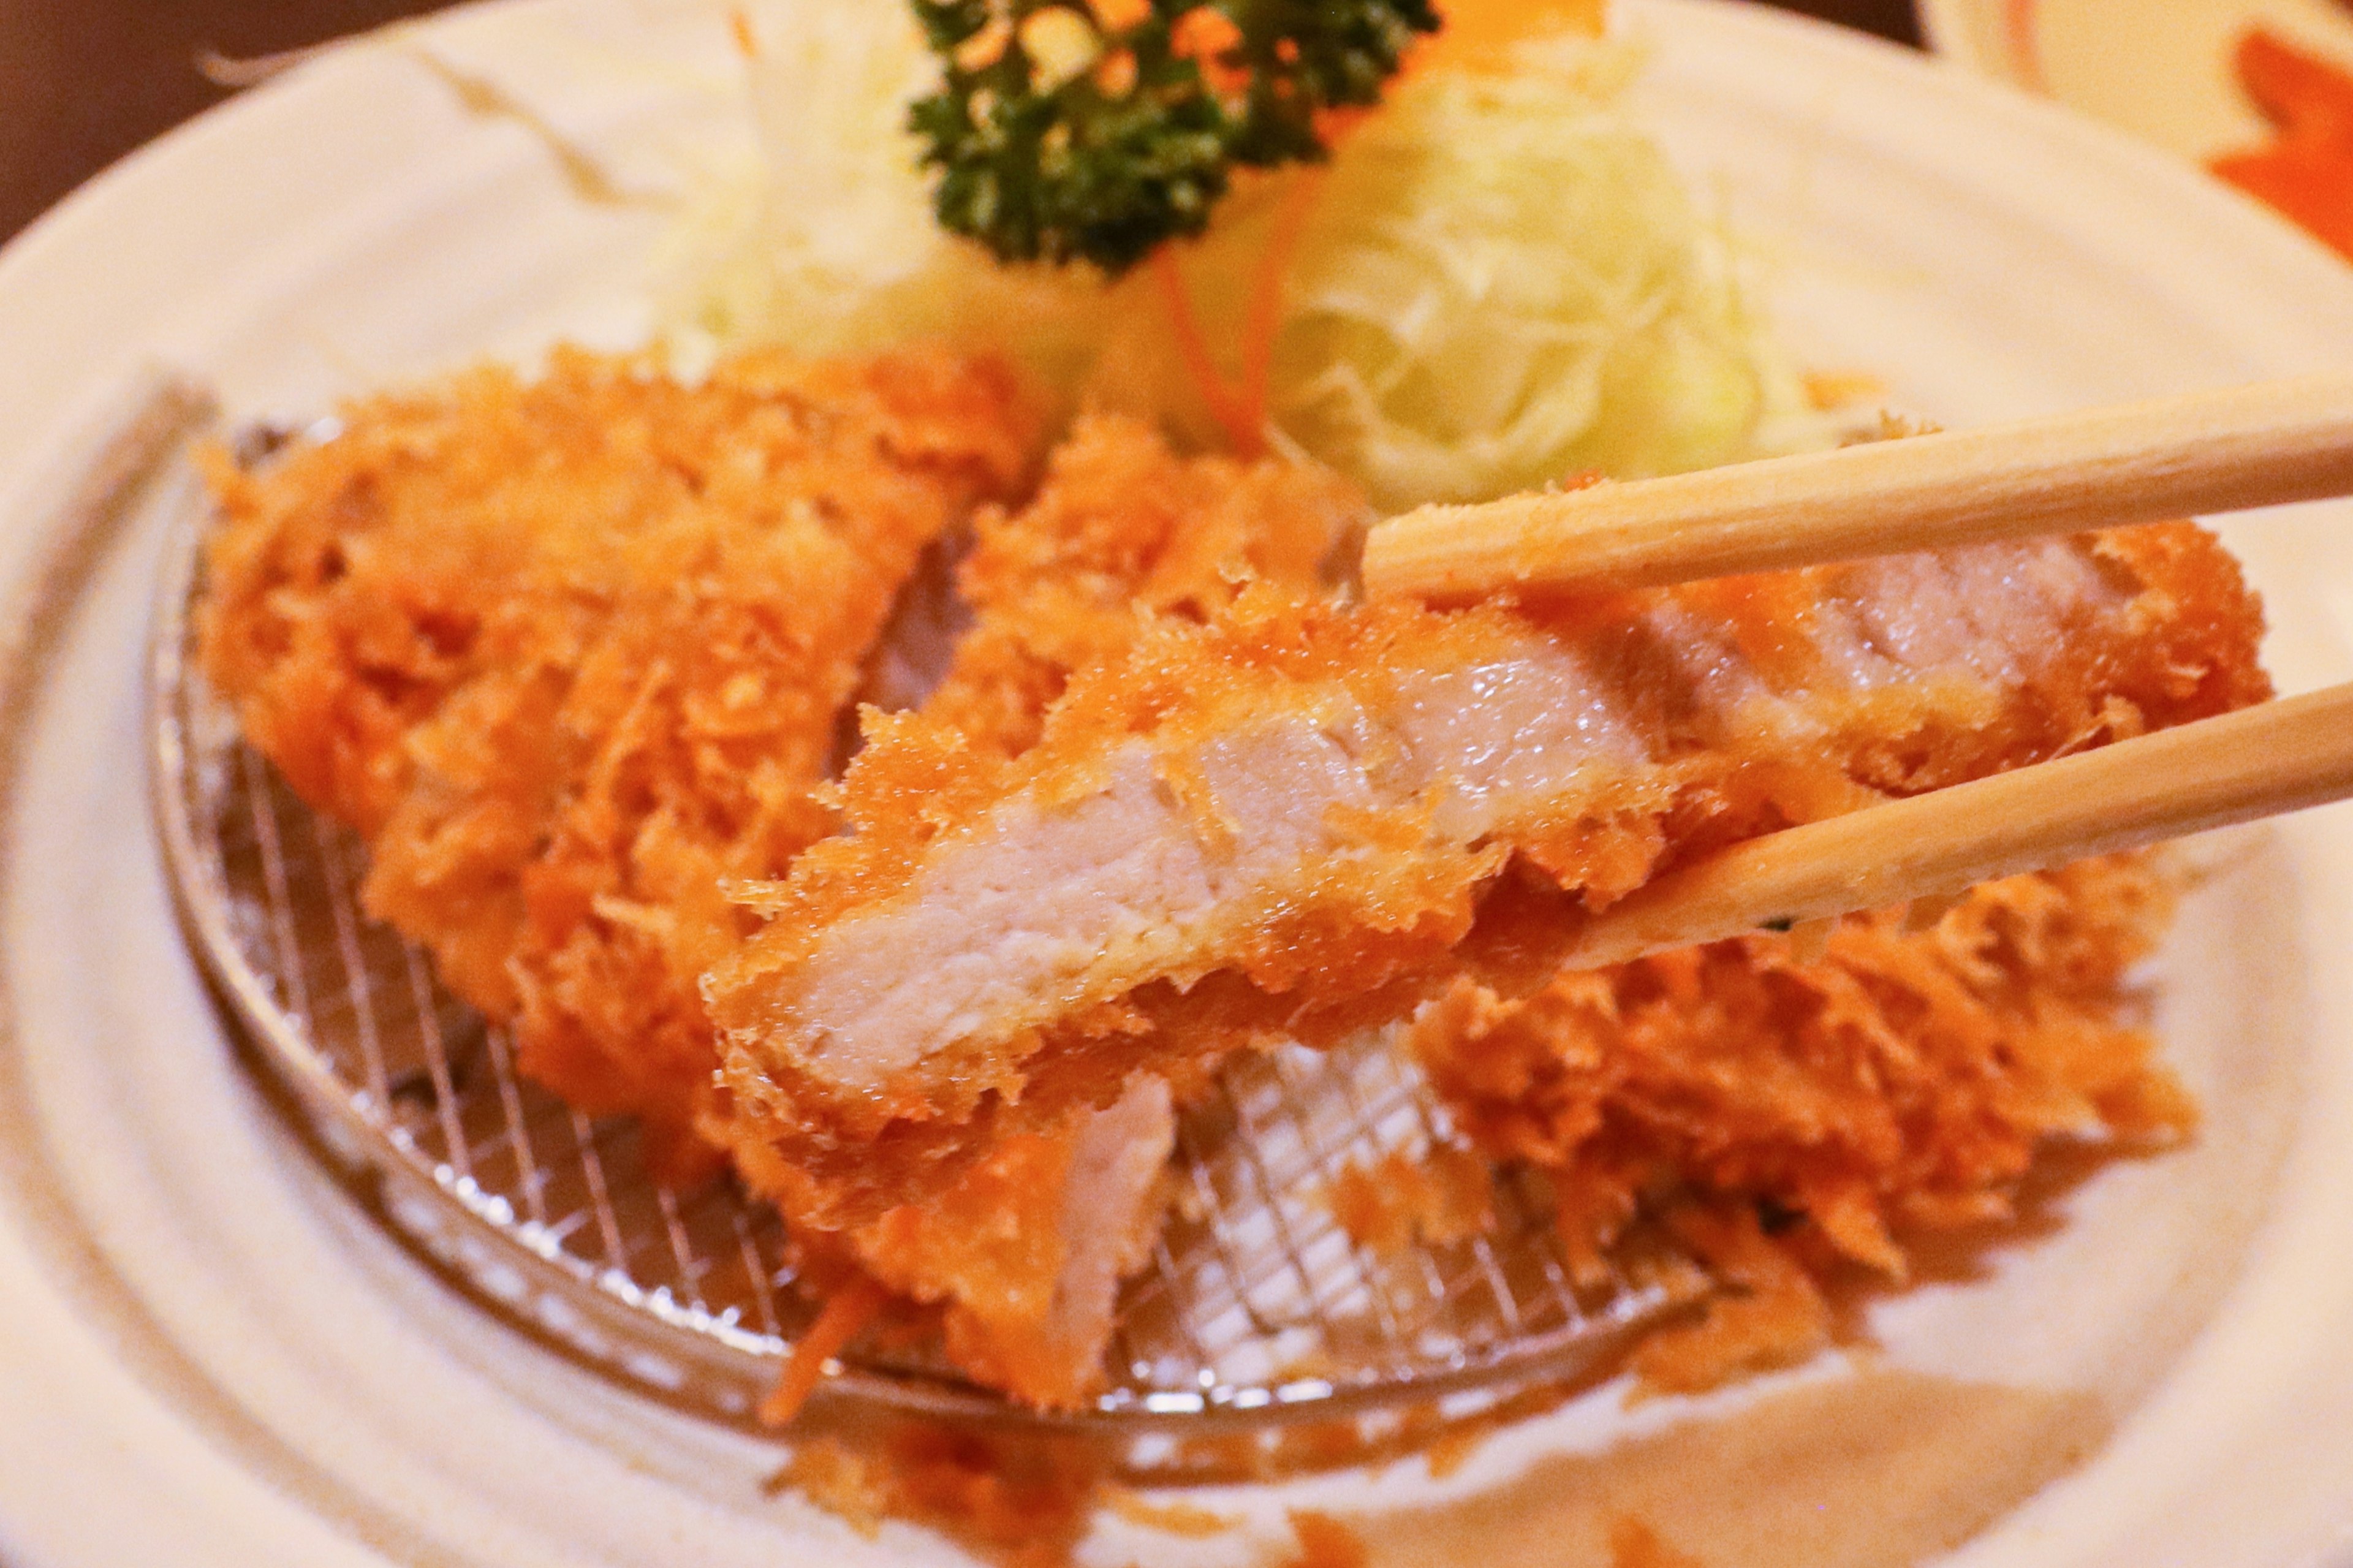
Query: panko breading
x=1302, y=815
x=573, y=653
x=1898, y=1080
x=1398, y=1202
x=1123, y=529
x=1024, y=1252
x=1029, y=1248
x=569, y=652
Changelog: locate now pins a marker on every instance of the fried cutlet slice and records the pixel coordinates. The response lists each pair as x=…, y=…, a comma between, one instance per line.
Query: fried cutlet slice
x=1300, y=816
x=1024, y=1252
x=1124, y=531
x=570, y=650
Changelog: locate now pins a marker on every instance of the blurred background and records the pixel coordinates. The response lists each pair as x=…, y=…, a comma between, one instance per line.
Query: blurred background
x=2259, y=91
x=84, y=81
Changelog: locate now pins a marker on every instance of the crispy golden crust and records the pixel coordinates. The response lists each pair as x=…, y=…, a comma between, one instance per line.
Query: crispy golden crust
x=1375, y=937
x=1397, y=1202
x=570, y=652
x=1016, y=1499
x=573, y=652
x=1123, y=529
x=1893, y=1081
x=1120, y=530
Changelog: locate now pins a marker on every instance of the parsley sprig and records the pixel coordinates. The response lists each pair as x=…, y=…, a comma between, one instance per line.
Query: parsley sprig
x=1061, y=133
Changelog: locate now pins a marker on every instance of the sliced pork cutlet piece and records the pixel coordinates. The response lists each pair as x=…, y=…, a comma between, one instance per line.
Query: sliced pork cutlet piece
x=1300, y=817
x=1024, y=1253
x=568, y=651
x=1124, y=531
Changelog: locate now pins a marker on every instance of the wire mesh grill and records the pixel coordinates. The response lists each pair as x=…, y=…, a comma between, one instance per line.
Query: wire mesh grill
x=1256, y=1305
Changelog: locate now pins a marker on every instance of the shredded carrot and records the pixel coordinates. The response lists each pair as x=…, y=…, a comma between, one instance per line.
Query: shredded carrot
x=2300, y=93
x=1207, y=35
x=1265, y=318
x=1241, y=411
x=846, y=1311
x=2018, y=18
x=1225, y=406
x=1119, y=15
x=747, y=41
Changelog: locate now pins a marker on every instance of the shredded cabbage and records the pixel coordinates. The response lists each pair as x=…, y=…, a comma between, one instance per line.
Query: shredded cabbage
x=830, y=245
x=1502, y=280
x=1506, y=284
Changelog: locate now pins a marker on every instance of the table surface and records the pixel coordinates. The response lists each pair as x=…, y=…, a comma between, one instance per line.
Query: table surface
x=84, y=81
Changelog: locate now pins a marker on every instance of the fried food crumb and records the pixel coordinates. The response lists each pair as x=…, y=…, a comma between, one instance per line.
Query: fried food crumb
x=1799, y=1114
x=1168, y=1518
x=568, y=653
x=1634, y=1544
x=1453, y=1447
x=1324, y=1543
x=1017, y=1499
x=1389, y=1206
x=1121, y=531
x=1773, y=1314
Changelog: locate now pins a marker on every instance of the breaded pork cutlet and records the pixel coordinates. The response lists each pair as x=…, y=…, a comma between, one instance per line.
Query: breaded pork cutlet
x=570, y=652
x=1123, y=532
x=1024, y=1253
x=573, y=652
x=1299, y=816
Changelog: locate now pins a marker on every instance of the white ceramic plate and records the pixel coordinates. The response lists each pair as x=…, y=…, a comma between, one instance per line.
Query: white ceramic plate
x=2158, y=68
x=208, y=1355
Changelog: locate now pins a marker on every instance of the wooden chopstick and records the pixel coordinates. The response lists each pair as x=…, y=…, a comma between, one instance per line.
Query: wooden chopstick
x=2258, y=762
x=2215, y=451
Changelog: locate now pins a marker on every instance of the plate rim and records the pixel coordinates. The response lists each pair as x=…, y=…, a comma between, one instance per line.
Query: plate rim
x=83, y=217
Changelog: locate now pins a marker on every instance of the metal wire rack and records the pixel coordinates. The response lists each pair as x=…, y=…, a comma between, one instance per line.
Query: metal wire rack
x=1255, y=1309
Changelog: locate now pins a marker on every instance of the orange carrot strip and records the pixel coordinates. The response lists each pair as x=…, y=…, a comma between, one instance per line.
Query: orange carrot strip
x=2309, y=180
x=2299, y=93
x=2307, y=173
x=846, y=1311
x=1265, y=318
x=2019, y=26
x=1194, y=349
